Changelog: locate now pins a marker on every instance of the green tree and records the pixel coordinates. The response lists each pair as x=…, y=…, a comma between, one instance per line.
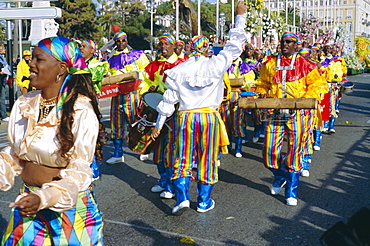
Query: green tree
x=2, y=32
x=78, y=19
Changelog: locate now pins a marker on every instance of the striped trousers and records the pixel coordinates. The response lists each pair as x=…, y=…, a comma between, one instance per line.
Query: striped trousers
x=197, y=139
x=277, y=128
x=123, y=111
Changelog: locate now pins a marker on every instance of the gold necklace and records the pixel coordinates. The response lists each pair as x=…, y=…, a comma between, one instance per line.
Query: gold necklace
x=45, y=106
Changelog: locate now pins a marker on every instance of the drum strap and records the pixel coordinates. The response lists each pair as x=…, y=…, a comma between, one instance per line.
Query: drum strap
x=285, y=69
x=285, y=112
x=146, y=123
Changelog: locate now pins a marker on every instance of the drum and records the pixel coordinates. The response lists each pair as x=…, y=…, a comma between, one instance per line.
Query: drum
x=237, y=82
x=138, y=139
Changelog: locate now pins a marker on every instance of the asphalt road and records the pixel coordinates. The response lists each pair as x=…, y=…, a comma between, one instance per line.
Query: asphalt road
x=245, y=212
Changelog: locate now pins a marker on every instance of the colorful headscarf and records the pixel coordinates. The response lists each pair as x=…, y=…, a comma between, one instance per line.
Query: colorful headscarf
x=199, y=44
x=120, y=35
x=305, y=51
x=180, y=42
x=64, y=50
x=167, y=37
x=91, y=43
x=290, y=35
x=315, y=48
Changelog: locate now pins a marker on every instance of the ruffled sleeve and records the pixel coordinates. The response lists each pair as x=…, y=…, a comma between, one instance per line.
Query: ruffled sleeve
x=9, y=168
x=166, y=107
x=77, y=176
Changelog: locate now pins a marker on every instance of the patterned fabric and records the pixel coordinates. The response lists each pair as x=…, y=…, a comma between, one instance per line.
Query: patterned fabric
x=168, y=37
x=82, y=225
x=199, y=44
x=91, y=43
x=122, y=114
x=119, y=35
x=237, y=119
x=180, y=42
x=197, y=140
x=64, y=50
x=276, y=129
x=305, y=51
x=290, y=35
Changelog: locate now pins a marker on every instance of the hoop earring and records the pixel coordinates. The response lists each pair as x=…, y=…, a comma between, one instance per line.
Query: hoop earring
x=58, y=77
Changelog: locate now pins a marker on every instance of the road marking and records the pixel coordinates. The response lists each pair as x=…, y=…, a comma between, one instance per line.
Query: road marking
x=166, y=232
x=155, y=230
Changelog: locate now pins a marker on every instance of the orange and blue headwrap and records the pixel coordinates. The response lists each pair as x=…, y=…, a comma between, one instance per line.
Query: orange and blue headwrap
x=315, y=48
x=119, y=35
x=199, y=44
x=290, y=35
x=305, y=51
x=168, y=37
x=180, y=42
x=91, y=43
x=64, y=50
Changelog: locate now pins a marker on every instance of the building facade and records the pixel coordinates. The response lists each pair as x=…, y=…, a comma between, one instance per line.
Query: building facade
x=353, y=15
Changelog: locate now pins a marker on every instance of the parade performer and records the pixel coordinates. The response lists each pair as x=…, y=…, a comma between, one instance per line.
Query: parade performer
x=283, y=76
x=179, y=49
x=250, y=71
x=198, y=85
x=154, y=77
x=54, y=133
x=237, y=114
x=98, y=71
x=334, y=74
x=23, y=72
x=124, y=107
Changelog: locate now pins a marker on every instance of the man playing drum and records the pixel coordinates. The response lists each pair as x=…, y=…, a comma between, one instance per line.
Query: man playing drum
x=287, y=75
x=198, y=85
x=124, y=107
x=164, y=153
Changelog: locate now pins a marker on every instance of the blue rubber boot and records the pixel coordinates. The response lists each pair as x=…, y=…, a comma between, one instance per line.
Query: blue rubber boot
x=95, y=167
x=279, y=181
x=238, y=146
x=305, y=163
x=331, y=124
x=317, y=138
x=326, y=126
x=169, y=189
x=291, y=188
x=182, y=186
x=161, y=184
x=117, y=156
x=118, y=144
x=204, y=201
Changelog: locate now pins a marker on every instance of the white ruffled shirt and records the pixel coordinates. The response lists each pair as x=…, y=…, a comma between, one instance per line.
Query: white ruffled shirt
x=199, y=84
x=36, y=142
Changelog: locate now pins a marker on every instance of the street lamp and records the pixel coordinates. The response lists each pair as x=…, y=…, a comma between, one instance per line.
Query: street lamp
x=222, y=20
x=152, y=8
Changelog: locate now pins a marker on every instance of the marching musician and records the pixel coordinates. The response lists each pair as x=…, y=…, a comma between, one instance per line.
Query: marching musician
x=124, y=107
x=97, y=68
x=286, y=75
x=98, y=71
x=154, y=78
x=198, y=85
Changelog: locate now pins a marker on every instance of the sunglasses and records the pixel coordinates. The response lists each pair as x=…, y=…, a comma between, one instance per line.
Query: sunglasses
x=287, y=41
x=121, y=40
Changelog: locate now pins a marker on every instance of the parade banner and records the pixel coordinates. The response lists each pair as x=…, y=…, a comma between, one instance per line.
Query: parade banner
x=119, y=89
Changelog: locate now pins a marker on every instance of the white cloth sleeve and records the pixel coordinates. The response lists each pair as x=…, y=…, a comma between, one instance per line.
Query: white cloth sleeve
x=9, y=168
x=166, y=107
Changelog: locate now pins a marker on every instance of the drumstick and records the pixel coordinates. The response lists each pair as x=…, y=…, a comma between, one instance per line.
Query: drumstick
x=285, y=90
